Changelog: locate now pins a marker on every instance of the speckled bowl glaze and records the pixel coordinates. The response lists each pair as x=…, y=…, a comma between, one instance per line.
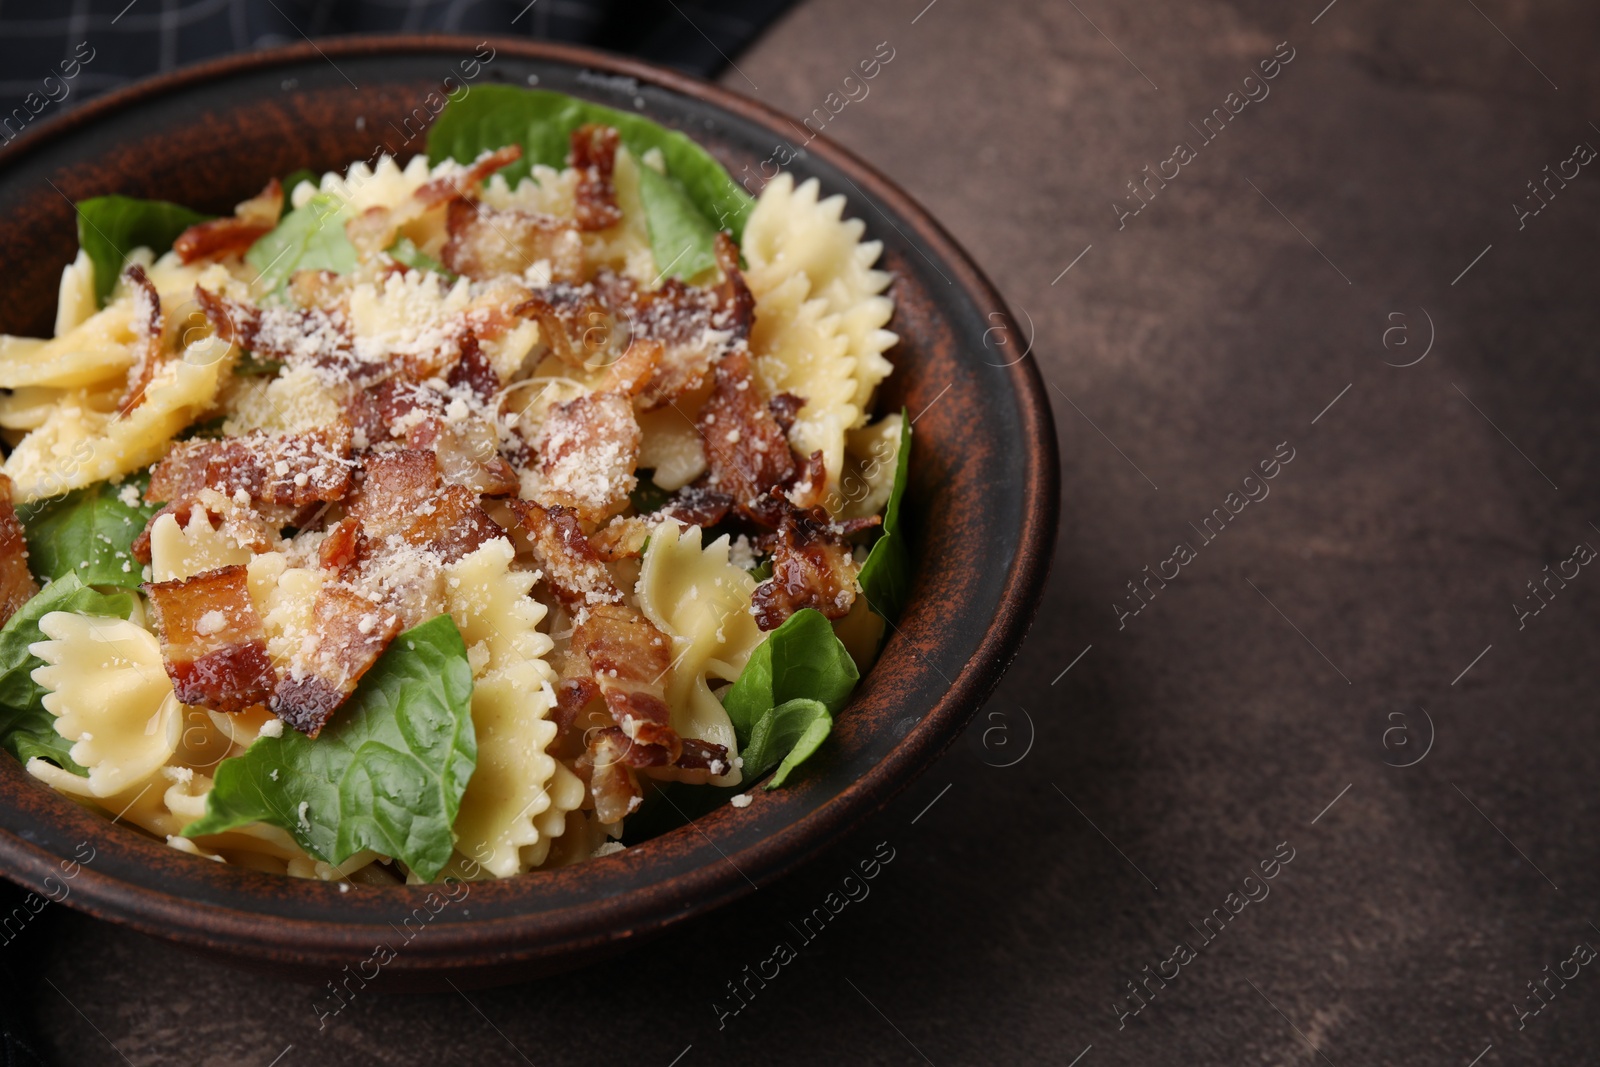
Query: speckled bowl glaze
x=982, y=507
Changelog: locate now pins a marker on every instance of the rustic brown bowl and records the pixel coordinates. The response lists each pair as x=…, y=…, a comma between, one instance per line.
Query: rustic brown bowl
x=982, y=506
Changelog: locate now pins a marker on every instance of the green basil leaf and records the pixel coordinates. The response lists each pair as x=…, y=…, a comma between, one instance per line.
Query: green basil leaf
x=885, y=577
x=248, y=366
x=682, y=240
x=109, y=227
x=541, y=121
x=802, y=659
x=88, y=533
x=26, y=728
x=785, y=735
x=647, y=497
x=308, y=238
x=386, y=774
x=406, y=251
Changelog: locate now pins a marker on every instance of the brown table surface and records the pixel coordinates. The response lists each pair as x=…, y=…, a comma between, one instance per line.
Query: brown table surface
x=1267, y=694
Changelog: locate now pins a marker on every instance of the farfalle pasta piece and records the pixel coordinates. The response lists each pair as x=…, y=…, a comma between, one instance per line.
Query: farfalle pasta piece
x=702, y=601
x=183, y=551
x=518, y=795
x=110, y=695
x=792, y=232
x=77, y=446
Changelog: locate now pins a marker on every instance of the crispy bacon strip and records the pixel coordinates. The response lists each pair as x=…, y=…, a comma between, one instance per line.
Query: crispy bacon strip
x=485, y=242
x=212, y=640
x=574, y=322
x=688, y=322
x=234, y=234
x=275, y=468
x=812, y=567
x=628, y=658
x=746, y=451
x=17, y=586
x=148, y=325
x=402, y=495
x=318, y=337
x=465, y=184
x=570, y=564
x=611, y=781
x=738, y=304
x=625, y=536
x=588, y=448
x=350, y=633
x=594, y=155
x=474, y=370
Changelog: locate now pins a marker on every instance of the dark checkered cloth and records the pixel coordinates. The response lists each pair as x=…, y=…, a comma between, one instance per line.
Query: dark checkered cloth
x=43, y=43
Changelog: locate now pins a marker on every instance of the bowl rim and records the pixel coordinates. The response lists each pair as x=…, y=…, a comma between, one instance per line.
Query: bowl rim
x=649, y=906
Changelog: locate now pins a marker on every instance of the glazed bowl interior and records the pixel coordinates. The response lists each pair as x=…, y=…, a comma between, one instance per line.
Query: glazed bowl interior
x=981, y=503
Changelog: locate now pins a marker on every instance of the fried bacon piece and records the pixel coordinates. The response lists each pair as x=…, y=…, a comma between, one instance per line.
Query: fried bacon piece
x=570, y=564
x=810, y=484
x=468, y=454
x=688, y=322
x=631, y=372
x=274, y=468
x=485, y=242
x=474, y=370
x=812, y=567
x=594, y=155
x=148, y=325
x=588, y=448
x=315, y=336
x=611, y=780
x=342, y=547
x=17, y=586
x=625, y=536
x=574, y=322
x=628, y=658
x=746, y=450
x=233, y=235
x=212, y=640
x=349, y=633
x=402, y=496
x=738, y=304
x=465, y=184
x=785, y=408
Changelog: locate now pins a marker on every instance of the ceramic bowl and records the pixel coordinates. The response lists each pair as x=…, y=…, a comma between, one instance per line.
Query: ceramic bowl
x=982, y=505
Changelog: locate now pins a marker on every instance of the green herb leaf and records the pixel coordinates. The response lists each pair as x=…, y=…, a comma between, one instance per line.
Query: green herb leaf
x=762, y=571
x=647, y=497
x=88, y=533
x=386, y=774
x=885, y=577
x=248, y=366
x=109, y=227
x=801, y=663
x=26, y=728
x=406, y=251
x=541, y=121
x=309, y=238
x=785, y=735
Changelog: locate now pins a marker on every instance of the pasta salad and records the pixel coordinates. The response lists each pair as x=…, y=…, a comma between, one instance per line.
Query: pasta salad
x=433, y=519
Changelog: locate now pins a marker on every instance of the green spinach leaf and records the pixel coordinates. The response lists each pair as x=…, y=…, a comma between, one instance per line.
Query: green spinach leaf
x=885, y=577
x=309, y=238
x=800, y=664
x=541, y=121
x=785, y=735
x=682, y=240
x=26, y=728
x=88, y=533
x=386, y=774
x=406, y=251
x=109, y=227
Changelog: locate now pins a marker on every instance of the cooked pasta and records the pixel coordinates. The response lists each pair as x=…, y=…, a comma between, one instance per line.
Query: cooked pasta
x=452, y=508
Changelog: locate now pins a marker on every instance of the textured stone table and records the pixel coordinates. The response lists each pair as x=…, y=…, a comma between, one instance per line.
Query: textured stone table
x=1358, y=614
